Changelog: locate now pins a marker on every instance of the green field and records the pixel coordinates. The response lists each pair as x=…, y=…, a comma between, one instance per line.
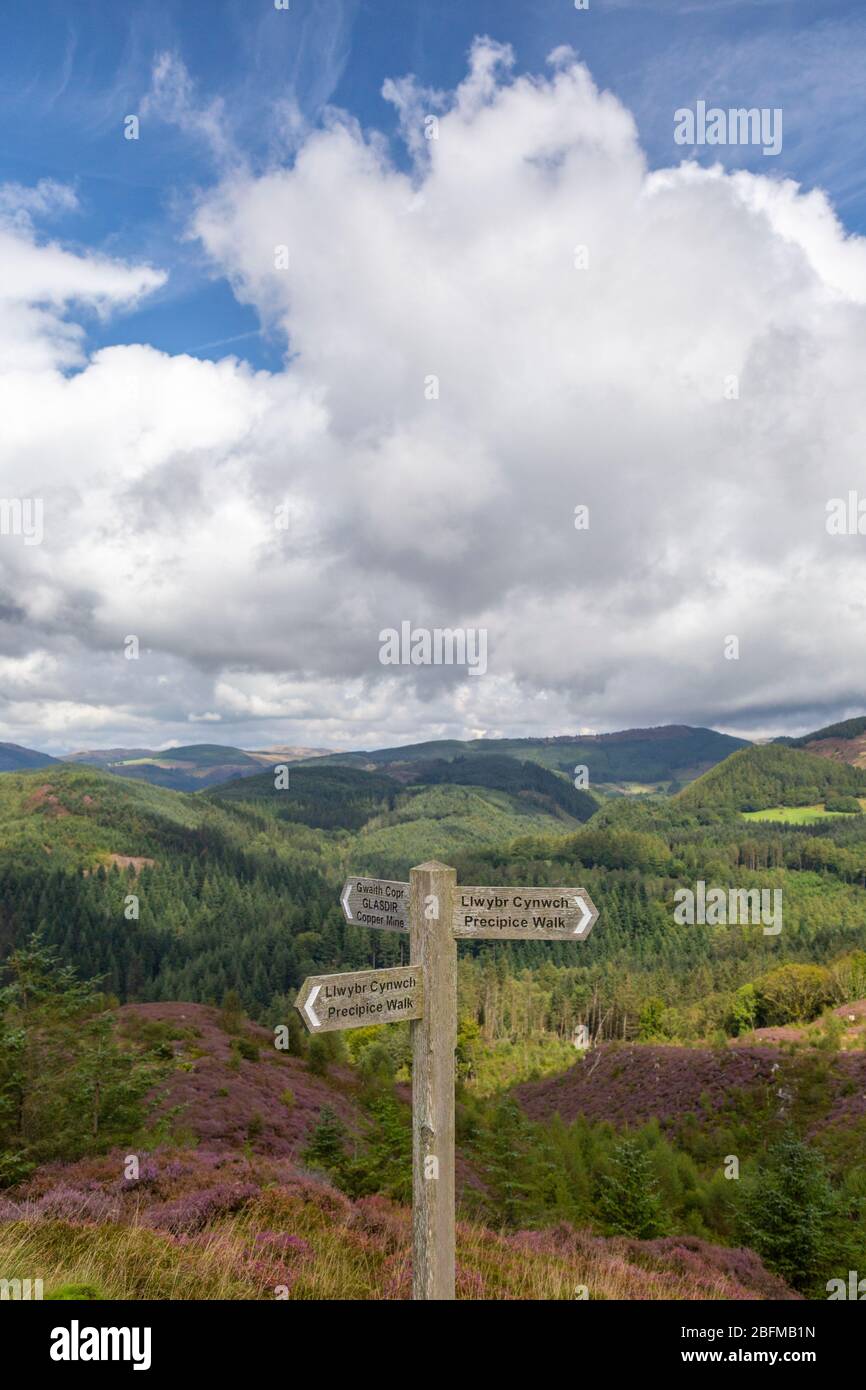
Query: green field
x=800, y=815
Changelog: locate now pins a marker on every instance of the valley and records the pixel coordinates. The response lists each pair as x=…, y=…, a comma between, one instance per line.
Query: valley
x=603, y=1166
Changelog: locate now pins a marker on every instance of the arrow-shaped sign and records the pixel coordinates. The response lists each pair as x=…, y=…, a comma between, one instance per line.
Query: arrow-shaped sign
x=360, y=998
x=524, y=914
x=312, y=1016
x=588, y=914
x=376, y=902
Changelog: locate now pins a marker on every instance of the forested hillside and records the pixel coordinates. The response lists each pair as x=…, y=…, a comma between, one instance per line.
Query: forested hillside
x=235, y=895
x=846, y=729
x=325, y=797
x=524, y=779
x=772, y=775
x=229, y=893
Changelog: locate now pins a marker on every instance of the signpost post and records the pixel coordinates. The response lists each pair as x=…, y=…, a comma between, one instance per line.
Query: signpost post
x=436, y=913
x=434, y=1038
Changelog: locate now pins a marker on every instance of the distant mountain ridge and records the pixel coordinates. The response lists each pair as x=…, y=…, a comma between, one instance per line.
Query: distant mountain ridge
x=844, y=729
x=844, y=742
x=655, y=759
x=651, y=758
x=14, y=758
x=188, y=768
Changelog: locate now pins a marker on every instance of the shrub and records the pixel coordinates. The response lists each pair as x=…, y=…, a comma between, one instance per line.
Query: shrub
x=743, y=1010
x=231, y=1013
x=77, y=1292
x=793, y=994
x=324, y=1049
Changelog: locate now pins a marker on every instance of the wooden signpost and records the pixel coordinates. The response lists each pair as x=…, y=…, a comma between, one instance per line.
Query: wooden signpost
x=360, y=998
x=436, y=913
x=376, y=902
x=524, y=914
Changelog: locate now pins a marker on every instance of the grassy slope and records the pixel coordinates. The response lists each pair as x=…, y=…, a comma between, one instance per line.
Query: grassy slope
x=798, y=815
x=233, y=1213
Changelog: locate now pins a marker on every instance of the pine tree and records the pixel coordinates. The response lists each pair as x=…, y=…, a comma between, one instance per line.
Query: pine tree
x=786, y=1211
x=327, y=1146
x=629, y=1201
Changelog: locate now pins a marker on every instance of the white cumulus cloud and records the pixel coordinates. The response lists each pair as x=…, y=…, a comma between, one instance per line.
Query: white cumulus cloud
x=515, y=318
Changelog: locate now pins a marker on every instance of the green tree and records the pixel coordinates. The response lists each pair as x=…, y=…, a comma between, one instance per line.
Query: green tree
x=66, y=1085
x=327, y=1146
x=786, y=1210
x=629, y=1201
x=650, y=1023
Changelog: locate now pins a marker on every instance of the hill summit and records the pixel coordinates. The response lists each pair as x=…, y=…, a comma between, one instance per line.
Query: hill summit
x=757, y=778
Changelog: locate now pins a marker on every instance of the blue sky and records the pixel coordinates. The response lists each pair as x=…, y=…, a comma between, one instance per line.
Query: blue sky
x=71, y=72
x=174, y=393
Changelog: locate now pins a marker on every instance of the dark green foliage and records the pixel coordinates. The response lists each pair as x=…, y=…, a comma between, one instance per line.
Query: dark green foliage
x=629, y=1200
x=786, y=1210
x=214, y=916
x=328, y=798
x=383, y=1162
x=508, y=1168
x=231, y=1012
x=847, y=804
x=847, y=728
x=635, y=755
x=327, y=1146
x=758, y=778
x=323, y=1051
x=246, y=1048
x=508, y=775
x=67, y=1085
x=380, y=1160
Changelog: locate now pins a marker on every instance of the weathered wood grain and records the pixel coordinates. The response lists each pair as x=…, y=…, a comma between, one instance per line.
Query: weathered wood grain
x=361, y=998
x=376, y=902
x=434, y=1037
x=518, y=914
